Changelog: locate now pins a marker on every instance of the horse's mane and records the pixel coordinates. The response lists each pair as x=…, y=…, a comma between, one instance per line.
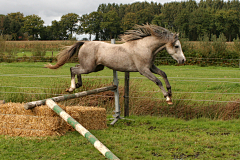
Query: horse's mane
x=141, y=31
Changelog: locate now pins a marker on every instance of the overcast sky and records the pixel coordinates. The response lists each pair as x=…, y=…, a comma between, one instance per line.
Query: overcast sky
x=50, y=10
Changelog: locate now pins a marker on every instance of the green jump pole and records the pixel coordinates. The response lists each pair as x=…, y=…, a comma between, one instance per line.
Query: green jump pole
x=83, y=131
x=33, y=104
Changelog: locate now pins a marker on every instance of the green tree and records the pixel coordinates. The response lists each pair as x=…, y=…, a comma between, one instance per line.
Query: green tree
x=33, y=25
x=110, y=25
x=128, y=21
x=228, y=22
x=2, y=17
x=160, y=20
x=90, y=24
x=46, y=33
x=170, y=12
x=57, y=31
x=144, y=16
x=69, y=24
x=201, y=22
x=12, y=25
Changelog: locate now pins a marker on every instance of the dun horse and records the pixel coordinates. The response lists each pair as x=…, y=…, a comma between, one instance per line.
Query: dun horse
x=137, y=54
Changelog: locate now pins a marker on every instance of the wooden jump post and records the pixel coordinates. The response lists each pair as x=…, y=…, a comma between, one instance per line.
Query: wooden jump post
x=33, y=104
x=83, y=131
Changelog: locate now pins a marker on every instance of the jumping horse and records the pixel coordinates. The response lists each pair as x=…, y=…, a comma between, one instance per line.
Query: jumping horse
x=137, y=54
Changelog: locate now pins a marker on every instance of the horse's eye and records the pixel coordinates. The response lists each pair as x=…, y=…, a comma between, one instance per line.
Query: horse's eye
x=176, y=46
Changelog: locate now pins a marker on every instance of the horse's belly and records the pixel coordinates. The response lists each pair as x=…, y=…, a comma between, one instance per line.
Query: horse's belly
x=118, y=64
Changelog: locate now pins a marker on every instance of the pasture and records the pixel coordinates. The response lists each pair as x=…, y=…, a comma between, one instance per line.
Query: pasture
x=193, y=127
x=142, y=137
x=192, y=86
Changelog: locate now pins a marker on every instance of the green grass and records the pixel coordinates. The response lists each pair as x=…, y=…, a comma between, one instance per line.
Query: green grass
x=208, y=92
x=142, y=137
x=206, y=83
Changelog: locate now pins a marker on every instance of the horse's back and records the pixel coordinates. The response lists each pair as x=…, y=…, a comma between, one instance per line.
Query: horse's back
x=113, y=56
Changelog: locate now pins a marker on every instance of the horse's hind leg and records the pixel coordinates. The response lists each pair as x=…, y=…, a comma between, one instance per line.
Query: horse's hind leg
x=156, y=70
x=79, y=83
x=147, y=73
x=79, y=77
x=73, y=85
x=78, y=70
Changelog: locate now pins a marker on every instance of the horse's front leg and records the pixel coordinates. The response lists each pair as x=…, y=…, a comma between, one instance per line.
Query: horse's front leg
x=156, y=70
x=147, y=73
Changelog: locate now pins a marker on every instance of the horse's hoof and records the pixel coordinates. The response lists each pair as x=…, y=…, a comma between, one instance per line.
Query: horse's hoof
x=68, y=90
x=169, y=101
x=78, y=85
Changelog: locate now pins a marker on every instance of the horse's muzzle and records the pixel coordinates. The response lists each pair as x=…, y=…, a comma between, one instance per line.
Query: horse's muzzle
x=182, y=61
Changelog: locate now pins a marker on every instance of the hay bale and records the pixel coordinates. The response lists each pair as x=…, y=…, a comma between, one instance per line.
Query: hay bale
x=18, y=108
x=31, y=122
x=28, y=132
x=2, y=102
x=39, y=121
x=89, y=117
x=42, y=121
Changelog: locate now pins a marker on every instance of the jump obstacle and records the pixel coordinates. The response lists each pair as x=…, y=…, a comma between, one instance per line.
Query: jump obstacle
x=83, y=131
x=33, y=104
x=114, y=88
x=91, y=138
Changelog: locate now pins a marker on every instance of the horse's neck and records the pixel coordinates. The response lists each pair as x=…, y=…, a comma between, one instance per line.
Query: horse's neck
x=153, y=43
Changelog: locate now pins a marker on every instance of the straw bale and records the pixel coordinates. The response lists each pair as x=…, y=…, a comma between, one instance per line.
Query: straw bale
x=42, y=121
x=39, y=121
x=18, y=108
x=2, y=102
x=28, y=132
x=89, y=117
x=31, y=122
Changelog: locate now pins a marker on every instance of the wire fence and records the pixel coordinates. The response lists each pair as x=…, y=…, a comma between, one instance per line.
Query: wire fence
x=193, y=79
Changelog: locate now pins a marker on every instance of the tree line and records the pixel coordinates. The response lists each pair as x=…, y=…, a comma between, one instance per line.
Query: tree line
x=191, y=19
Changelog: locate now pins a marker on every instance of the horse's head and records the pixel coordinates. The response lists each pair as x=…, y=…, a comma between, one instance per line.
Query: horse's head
x=175, y=50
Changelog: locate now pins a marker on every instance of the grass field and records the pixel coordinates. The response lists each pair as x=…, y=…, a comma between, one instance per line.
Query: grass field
x=194, y=82
x=197, y=91
x=141, y=137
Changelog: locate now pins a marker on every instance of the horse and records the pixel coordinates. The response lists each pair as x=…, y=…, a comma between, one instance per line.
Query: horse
x=136, y=54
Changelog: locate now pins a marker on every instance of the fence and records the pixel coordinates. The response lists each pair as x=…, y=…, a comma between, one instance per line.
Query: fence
x=179, y=79
x=158, y=61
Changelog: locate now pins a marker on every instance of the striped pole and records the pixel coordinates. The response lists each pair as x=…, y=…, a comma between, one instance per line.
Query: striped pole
x=33, y=104
x=83, y=131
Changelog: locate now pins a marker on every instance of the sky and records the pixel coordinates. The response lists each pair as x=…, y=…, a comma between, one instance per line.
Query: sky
x=50, y=10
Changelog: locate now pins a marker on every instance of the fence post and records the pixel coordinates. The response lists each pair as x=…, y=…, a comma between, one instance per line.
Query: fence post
x=116, y=94
x=126, y=95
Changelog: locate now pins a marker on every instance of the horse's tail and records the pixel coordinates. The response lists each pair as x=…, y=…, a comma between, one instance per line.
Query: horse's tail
x=65, y=55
